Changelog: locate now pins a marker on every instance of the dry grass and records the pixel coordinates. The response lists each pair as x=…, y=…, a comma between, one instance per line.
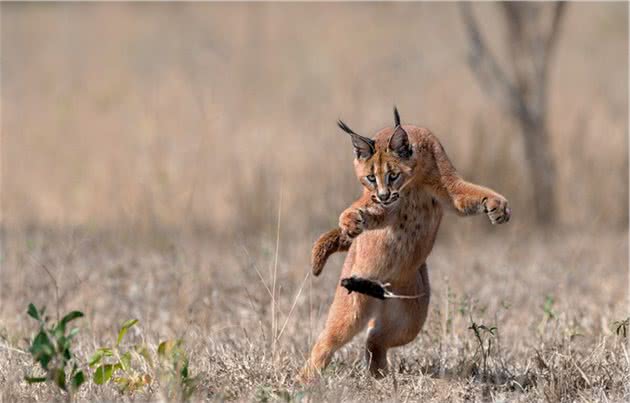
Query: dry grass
x=146, y=148
x=208, y=292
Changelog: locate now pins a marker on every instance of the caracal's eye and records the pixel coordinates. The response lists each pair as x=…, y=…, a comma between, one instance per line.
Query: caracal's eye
x=393, y=176
x=371, y=178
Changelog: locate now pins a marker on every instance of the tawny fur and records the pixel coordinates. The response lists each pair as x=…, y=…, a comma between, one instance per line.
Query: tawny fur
x=390, y=243
x=327, y=244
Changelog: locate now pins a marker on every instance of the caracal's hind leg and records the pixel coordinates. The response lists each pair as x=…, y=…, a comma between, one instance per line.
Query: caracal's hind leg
x=348, y=315
x=398, y=322
x=376, y=349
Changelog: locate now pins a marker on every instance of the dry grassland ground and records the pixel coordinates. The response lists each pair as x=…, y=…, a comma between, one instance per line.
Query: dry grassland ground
x=213, y=294
x=173, y=162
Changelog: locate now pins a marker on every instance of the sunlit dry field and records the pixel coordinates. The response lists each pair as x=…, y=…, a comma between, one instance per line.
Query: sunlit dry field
x=173, y=163
x=214, y=294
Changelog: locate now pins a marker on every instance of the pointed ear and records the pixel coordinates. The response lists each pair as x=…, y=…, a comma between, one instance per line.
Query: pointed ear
x=399, y=143
x=363, y=146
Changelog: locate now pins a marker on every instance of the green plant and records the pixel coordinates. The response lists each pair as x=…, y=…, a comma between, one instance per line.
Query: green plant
x=621, y=327
x=548, y=308
x=484, y=336
x=51, y=348
x=130, y=367
x=266, y=394
x=115, y=363
x=549, y=313
x=176, y=376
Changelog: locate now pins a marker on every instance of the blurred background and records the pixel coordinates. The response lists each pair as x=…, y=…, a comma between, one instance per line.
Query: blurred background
x=205, y=115
x=174, y=162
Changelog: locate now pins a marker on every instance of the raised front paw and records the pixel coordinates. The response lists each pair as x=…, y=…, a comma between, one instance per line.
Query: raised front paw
x=497, y=209
x=352, y=222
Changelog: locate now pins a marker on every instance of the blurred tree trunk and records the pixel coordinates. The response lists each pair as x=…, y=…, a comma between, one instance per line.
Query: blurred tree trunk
x=532, y=33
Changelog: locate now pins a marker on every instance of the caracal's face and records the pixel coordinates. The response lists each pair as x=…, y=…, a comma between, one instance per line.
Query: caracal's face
x=384, y=175
x=384, y=170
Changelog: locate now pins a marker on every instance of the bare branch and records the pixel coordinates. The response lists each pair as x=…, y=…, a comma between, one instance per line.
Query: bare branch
x=533, y=30
x=490, y=76
x=552, y=36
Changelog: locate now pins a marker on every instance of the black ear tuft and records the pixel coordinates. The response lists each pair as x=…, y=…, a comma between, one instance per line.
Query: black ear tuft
x=363, y=146
x=344, y=127
x=399, y=143
x=396, y=117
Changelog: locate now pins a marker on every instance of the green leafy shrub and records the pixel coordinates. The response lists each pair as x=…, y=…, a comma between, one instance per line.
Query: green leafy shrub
x=175, y=373
x=51, y=348
x=130, y=368
x=115, y=363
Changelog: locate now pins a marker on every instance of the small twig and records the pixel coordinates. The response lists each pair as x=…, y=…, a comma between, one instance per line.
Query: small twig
x=274, y=319
x=260, y=276
x=588, y=382
x=17, y=350
x=308, y=274
x=625, y=353
x=444, y=323
x=56, y=287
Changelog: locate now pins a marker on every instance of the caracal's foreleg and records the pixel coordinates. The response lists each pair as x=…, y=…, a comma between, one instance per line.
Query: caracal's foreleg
x=468, y=199
x=444, y=183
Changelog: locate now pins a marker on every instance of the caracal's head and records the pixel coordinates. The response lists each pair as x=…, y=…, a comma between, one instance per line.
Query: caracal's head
x=383, y=171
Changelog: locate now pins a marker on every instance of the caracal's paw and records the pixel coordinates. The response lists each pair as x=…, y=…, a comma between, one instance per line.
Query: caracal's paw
x=352, y=222
x=497, y=209
x=308, y=375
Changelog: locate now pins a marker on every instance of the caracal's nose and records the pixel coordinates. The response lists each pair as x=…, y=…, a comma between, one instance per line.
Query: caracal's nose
x=383, y=196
